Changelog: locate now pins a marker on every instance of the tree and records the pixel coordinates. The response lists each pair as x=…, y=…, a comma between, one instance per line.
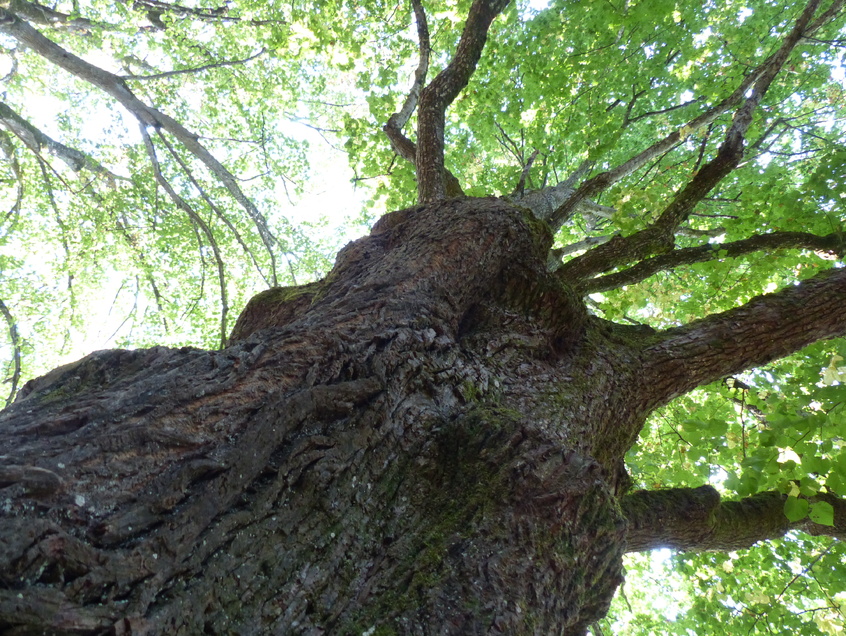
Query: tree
x=502, y=388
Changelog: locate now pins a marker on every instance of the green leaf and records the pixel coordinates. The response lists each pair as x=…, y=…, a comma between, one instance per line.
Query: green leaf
x=795, y=508
x=822, y=512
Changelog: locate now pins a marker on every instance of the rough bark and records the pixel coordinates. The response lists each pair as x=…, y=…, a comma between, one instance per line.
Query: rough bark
x=429, y=440
x=402, y=451
x=694, y=519
x=440, y=93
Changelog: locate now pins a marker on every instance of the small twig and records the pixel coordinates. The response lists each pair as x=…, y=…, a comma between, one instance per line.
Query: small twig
x=198, y=69
x=16, y=350
x=521, y=184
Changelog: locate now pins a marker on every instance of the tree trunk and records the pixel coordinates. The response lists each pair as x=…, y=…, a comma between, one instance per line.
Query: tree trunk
x=428, y=441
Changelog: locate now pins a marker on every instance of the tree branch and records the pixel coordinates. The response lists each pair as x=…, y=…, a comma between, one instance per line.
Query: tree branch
x=204, y=13
x=401, y=144
x=695, y=520
x=544, y=201
x=198, y=69
x=16, y=351
x=831, y=243
x=197, y=222
x=440, y=93
x=759, y=77
x=398, y=120
x=35, y=140
x=764, y=329
x=521, y=183
x=146, y=115
x=659, y=237
x=45, y=16
x=212, y=206
x=8, y=150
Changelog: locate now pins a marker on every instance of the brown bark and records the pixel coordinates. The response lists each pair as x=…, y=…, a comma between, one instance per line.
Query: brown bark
x=396, y=452
x=764, y=329
x=401, y=144
x=440, y=93
x=430, y=440
x=694, y=519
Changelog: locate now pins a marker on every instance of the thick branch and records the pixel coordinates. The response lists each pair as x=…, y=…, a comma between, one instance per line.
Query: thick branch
x=440, y=93
x=401, y=144
x=695, y=520
x=544, y=201
x=760, y=78
x=401, y=117
x=146, y=115
x=36, y=140
x=832, y=244
x=764, y=329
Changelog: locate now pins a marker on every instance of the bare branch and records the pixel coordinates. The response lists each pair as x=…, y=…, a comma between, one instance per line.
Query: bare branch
x=198, y=69
x=146, y=115
x=694, y=519
x=832, y=244
x=440, y=93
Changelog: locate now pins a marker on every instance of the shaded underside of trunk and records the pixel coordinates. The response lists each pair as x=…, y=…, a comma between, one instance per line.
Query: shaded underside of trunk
x=428, y=441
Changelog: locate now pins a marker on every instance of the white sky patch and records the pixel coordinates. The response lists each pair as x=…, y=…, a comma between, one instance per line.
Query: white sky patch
x=700, y=38
x=744, y=13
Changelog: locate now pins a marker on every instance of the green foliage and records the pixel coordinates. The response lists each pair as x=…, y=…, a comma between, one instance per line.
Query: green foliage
x=768, y=589
x=102, y=256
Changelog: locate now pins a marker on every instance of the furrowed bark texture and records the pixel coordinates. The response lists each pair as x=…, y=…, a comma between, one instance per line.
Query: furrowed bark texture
x=396, y=446
x=428, y=441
